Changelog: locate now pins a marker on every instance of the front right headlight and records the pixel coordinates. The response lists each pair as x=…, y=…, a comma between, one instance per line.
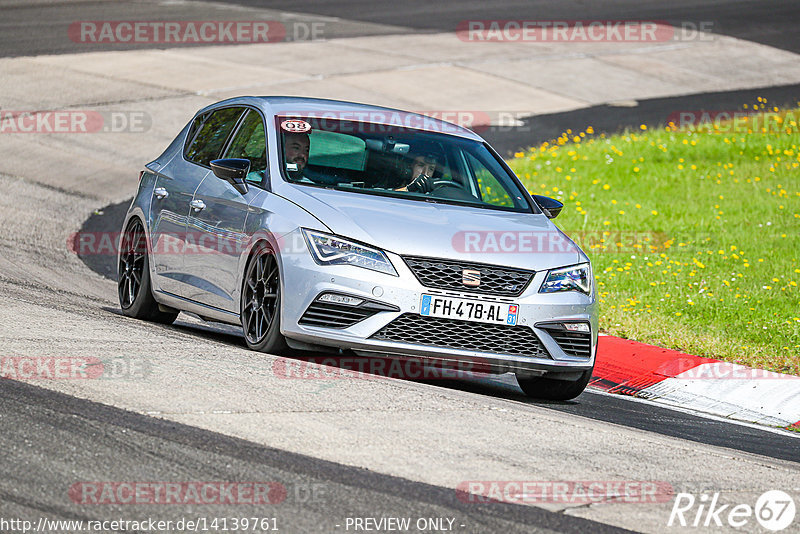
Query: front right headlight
x=574, y=278
x=329, y=249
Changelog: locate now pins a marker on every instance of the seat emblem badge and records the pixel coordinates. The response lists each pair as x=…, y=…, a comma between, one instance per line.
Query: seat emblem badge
x=471, y=277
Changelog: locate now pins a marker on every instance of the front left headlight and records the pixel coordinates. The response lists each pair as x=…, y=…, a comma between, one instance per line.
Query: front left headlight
x=328, y=249
x=575, y=278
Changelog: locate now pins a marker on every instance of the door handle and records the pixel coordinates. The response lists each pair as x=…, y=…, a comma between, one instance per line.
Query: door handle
x=197, y=205
x=161, y=193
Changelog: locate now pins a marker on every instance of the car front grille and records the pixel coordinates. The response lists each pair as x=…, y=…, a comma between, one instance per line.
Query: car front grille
x=449, y=274
x=463, y=335
x=577, y=344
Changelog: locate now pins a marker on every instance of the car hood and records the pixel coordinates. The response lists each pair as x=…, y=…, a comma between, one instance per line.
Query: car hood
x=417, y=228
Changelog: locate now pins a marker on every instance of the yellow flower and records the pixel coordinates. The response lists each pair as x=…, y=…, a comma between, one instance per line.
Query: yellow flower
x=606, y=187
x=654, y=212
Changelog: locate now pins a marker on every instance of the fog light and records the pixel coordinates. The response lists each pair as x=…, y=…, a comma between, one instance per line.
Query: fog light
x=577, y=327
x=340, y=299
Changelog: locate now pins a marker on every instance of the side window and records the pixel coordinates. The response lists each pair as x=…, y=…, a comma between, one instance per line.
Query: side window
x=250, y=142
x=492, y=192
x=211, y=136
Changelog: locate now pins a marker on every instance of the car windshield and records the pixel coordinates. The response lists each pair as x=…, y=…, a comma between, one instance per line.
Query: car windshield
x=370, y=158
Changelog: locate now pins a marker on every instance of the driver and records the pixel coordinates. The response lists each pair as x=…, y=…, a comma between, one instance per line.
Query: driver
x=422, y=167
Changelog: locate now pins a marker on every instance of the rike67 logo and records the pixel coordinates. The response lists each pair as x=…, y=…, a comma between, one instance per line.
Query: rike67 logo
x=774, y=510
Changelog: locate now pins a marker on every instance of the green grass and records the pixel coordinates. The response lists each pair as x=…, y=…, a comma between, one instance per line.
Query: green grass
x=694, y=235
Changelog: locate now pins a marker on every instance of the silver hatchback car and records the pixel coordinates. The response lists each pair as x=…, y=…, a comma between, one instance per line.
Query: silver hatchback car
x=325, y=225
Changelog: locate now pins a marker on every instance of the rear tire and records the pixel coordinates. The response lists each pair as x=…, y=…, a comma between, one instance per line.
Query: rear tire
x=133, y=279
x=261, y=303
x=551, y=389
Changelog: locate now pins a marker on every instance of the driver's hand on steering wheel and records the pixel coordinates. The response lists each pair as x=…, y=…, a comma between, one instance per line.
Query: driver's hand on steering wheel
x=421, y=184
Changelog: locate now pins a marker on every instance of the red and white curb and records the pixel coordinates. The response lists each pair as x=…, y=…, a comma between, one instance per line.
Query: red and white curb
x=699, y=384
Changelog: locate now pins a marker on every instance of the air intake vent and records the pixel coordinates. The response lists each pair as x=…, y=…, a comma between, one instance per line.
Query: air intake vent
x=463, y=335
x=329, y=314
x=574, y=343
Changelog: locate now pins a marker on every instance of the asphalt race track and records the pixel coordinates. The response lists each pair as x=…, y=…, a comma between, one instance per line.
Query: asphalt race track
x=192, y=404
x=769, y=22
x=86, y=438
x=33, y=27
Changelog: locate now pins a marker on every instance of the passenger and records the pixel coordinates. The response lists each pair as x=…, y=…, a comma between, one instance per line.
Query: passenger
x=295, y=153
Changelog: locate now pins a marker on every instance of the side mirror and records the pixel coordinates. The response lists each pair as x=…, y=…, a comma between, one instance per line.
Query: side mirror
x=233, y=171
x=550, y=206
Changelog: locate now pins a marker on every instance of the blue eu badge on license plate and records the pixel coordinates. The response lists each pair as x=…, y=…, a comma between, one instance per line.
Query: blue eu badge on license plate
x=426, y=305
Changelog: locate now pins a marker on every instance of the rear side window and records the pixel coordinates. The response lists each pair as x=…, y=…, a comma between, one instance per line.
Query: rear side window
x=211, y=136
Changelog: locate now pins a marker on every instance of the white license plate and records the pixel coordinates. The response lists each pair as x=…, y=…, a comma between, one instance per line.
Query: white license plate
x=478, y=311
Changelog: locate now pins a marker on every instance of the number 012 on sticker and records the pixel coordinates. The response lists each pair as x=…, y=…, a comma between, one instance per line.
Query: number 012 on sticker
x=477, y=311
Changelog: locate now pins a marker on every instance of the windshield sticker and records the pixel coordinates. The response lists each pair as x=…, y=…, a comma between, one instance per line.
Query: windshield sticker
x=295, y=126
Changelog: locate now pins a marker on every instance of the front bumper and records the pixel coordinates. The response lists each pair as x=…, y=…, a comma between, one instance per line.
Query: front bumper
x=304, y=280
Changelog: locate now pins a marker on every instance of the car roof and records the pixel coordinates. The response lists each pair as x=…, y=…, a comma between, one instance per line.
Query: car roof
x=302, y=106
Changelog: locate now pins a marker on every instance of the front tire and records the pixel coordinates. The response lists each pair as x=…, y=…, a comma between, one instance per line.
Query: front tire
x=551, y=389
x=261, y=303
x=133, y=278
